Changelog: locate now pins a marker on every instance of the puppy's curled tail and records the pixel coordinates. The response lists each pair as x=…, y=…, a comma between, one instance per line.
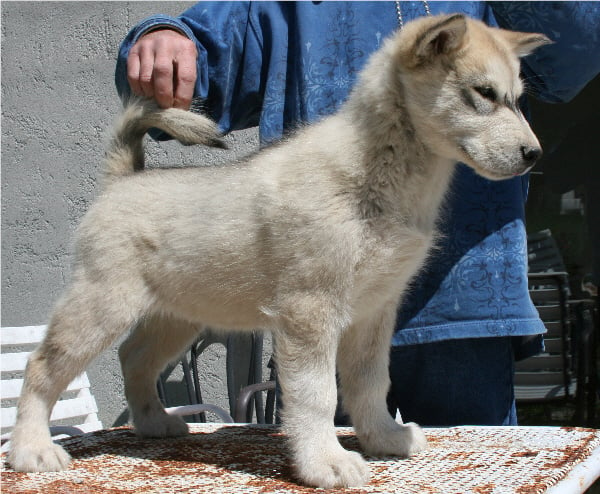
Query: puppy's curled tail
x=125, y=154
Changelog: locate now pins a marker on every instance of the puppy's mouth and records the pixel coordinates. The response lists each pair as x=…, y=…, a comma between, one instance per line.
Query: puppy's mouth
x=524, y=172
x=496, y=173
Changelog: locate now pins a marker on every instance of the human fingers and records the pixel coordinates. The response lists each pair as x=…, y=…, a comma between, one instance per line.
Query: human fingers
x=185, y=78
x=162, y=79
x=162, y=65
x=140, y=67
x=133, y=73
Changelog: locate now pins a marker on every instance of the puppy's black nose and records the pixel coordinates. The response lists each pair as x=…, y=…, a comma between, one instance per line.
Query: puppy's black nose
x=531, y=154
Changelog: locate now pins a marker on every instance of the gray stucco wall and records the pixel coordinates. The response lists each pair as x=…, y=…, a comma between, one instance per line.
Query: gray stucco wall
x=58, y=102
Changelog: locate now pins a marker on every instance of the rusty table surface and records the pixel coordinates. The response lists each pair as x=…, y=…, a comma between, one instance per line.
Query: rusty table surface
x=220, y=458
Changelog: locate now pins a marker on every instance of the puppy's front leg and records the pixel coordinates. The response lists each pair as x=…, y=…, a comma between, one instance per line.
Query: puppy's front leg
x=363, y=365
x=306, y=350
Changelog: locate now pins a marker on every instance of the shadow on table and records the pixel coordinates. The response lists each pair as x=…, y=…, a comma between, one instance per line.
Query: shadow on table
x=255, y=450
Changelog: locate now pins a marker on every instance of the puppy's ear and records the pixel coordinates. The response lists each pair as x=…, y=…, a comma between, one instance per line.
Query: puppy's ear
x=523, y=44
x=443, y=38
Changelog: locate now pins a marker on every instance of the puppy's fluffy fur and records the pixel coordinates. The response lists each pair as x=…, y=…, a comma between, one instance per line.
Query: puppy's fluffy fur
x=315, y=238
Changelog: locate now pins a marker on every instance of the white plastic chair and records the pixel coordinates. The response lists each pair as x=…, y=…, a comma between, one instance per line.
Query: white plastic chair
x=76, y=404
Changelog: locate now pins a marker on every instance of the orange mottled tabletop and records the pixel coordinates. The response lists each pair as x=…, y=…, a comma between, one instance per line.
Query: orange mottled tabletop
x=253, y=459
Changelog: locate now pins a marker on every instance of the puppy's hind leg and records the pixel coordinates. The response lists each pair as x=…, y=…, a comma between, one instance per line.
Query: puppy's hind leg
x=85, y=322
x=363, y=365
x=154, y=343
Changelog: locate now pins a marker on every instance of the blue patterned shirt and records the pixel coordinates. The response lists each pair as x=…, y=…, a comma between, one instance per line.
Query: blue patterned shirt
x=278, y=64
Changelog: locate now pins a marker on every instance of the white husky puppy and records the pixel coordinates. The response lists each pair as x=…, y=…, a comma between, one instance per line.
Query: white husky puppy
x=315, y=239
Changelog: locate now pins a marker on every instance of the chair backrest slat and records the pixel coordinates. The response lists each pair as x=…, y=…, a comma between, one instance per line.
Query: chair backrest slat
x=76, y=403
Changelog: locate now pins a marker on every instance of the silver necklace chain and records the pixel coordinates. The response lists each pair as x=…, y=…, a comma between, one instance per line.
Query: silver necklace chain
x=399, y=12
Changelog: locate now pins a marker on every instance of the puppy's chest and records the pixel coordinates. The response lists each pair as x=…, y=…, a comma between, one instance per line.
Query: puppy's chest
x=390, y=258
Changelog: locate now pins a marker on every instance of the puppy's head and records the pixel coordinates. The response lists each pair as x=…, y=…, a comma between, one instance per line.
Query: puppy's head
x=462, y=86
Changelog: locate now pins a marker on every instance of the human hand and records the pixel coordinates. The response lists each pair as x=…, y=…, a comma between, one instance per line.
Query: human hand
x=162, y=65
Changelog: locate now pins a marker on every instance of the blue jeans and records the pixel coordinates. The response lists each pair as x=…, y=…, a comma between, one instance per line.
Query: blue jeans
x=454, y=382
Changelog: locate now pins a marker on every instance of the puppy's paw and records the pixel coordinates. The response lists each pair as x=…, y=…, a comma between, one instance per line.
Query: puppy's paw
x=402, y=440
x=332, y=467
x=38, y=457
x=162, y=425
x=414, y=440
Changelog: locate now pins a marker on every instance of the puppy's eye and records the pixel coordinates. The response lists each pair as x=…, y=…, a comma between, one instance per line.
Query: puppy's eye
x=487, y=92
